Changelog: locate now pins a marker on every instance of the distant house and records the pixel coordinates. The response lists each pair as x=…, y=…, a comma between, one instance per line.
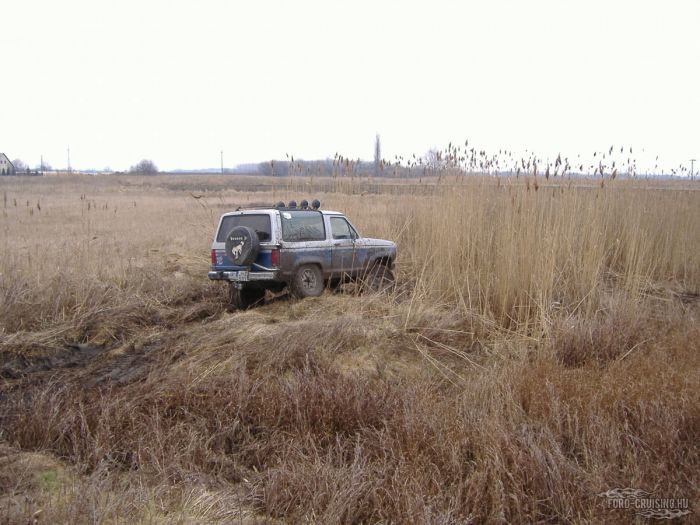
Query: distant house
x=6, y=167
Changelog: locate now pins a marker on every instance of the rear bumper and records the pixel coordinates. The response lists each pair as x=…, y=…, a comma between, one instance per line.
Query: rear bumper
x=241, y=276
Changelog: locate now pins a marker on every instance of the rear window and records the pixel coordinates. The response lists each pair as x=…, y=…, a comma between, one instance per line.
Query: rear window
x=259, y=223
x=298, y=226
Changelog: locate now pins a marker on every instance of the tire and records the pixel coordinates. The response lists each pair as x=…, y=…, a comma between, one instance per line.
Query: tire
x=244, y=298
x=242, y=246
x=378, y=279
x=307, y=282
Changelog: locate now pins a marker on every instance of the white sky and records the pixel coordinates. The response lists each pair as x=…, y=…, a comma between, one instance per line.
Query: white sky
x=177, y=81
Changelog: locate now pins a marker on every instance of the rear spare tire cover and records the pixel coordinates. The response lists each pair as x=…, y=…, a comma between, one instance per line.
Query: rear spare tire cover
x=242, y=245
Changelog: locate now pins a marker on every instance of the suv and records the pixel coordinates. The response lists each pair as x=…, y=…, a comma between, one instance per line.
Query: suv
x=302, y=248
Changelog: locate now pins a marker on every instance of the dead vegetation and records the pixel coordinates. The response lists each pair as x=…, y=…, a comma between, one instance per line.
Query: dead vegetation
x=542, y=348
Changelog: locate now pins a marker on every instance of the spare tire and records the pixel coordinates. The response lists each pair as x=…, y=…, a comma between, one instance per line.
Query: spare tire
x=242, y=246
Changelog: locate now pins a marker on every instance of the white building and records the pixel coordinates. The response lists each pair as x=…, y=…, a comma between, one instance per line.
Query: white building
x=6, y=167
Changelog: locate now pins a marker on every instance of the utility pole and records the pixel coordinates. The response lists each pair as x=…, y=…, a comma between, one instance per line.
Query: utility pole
x=222, y=162
x=692, y=164
x=69, y=168
x=41, y=168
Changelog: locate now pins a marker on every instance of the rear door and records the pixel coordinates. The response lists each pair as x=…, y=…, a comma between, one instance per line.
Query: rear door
x=260, y=222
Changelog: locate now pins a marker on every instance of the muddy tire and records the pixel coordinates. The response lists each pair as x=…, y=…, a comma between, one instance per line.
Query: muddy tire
x=307, y=282
x=242, y=299
x=242, y=246
x=378, y=279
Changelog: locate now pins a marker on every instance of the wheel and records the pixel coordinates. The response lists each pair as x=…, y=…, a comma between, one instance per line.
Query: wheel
x=244, y=298
x=379, y=278
x=307, y=281
x=242, y=246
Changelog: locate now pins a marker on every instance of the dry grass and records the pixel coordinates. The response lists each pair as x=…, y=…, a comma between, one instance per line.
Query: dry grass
x=542, y=347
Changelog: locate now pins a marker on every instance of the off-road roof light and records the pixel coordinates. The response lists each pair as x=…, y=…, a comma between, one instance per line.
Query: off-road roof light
x=292, y=205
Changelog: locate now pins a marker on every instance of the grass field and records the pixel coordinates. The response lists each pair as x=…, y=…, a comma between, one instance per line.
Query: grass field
x=542, y=347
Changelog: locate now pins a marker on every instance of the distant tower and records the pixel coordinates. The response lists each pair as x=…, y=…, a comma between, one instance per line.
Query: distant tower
x=377, y=155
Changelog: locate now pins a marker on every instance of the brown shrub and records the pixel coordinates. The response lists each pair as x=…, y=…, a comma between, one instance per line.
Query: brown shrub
x=606, y=337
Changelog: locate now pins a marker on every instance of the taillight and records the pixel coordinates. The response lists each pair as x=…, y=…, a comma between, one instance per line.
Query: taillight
x=213, y=257
x=275, y=258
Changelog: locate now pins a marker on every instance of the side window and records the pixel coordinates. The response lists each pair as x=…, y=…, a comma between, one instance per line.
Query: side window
x=300, y=226
x=341, y=229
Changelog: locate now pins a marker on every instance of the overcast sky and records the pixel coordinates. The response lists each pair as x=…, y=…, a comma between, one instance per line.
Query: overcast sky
x=179, y=81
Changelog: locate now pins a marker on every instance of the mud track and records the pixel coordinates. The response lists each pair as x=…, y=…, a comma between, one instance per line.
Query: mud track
x=159, y=341
x=88, y=364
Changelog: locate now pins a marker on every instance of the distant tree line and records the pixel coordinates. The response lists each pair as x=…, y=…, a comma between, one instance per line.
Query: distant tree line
x=340, y=167
x=320, y=168
x=144, y=167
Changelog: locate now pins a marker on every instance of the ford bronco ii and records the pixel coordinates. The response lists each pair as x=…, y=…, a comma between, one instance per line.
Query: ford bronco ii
x=300, y=247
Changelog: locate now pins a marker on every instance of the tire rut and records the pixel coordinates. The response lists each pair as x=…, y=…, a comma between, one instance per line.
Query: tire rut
x=117, y=364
